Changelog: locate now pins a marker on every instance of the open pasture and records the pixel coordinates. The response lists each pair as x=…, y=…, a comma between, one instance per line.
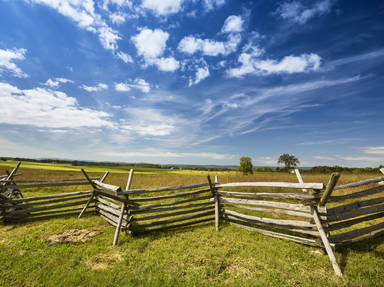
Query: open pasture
x=193, y=256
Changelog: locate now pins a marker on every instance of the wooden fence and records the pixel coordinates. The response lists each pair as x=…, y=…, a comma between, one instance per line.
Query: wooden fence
x=357, y=214
x=306, y=213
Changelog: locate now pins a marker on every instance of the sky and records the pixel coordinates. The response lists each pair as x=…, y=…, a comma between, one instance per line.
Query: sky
x=193, y=81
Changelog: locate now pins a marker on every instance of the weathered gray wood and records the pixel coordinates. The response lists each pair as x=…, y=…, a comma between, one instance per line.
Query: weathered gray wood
x=359, y=194
x=344, y=224
x=177, y=219
x=274, y=184
x=175, y=195
x=56, y=206
x=91, y=199
x=109, y=209
x=134, y=208
x=360, y=183
x=106, y=187
x=52, y=184
x=103, y=178
x=176, y=225
x=110, y=221
x=271, y=210
x=5, y=176
x=54, y=180
x=297, y=239
x=299, y=178
x=173, y=208
x=163, y=215
x=354, y=205
x=46, y=202
x=88, y=178
x=107, y=202
x=355, y=213
x=116, y=202
x=276, y=226
x=216, y=200
x=283, y=205
x=330, y=186
x=108, y=215
x=111, y=195
x=298, y=196
x=59, y=195
x=326, y=243
x=167, y=188
x=48, y=212
x=287, y=222
x=27, y=219
x=355, y=233
x=123, y=207
x=359, y=239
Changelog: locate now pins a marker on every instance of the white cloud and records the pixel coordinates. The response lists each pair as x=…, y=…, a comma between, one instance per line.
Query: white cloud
x=125, y=57
x=169, y=64
x=162, y=7
x=151, y=45
x=117, y=18
x=99, y=87
x=55, y=83
x=252, y=64
x=148, y=122
x=202, y=72
x=233, y=24
x=46, y=108
x=191, y=45
x=213, y=4
x=379, y=150
x=139, y=84
x=298, y=13
x=6, y=61
x=83, y=13
x=376, y=159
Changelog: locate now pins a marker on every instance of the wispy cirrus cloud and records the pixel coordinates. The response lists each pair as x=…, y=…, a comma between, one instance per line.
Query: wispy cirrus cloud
x=296, y=12
x=139, y=84
x=97, y=88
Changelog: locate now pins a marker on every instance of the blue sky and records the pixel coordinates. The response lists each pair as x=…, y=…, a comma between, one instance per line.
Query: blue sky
x=193, y=81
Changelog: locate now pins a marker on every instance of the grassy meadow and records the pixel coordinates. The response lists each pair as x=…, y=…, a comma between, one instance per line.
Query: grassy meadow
x=194, y=256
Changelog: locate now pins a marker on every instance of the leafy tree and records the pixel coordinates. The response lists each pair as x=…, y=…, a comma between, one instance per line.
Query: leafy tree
x=245, y=165
x=288, y=160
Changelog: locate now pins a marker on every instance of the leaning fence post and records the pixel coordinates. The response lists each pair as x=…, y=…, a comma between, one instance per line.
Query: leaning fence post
x=216, y=199
x=330, y=186
x=123, y=207
x=93, y=192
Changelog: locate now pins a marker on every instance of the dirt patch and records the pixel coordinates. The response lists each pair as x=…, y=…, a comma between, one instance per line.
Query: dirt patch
x=318, y=252
x=73, y=235
x=104, y=261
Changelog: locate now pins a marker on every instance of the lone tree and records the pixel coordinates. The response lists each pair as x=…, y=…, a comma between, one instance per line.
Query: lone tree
x=245, y=165
x=288, y=160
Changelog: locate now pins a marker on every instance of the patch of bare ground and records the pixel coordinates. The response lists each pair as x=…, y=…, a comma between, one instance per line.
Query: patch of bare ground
x=104, y=261
x=73, y=236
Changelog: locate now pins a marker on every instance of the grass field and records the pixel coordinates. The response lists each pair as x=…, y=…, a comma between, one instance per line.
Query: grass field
x=196, y=256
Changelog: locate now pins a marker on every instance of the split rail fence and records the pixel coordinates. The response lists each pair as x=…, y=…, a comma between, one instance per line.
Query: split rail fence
x=306, y=213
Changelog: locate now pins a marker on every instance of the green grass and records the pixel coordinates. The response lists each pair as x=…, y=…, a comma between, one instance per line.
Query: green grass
x=195, y=256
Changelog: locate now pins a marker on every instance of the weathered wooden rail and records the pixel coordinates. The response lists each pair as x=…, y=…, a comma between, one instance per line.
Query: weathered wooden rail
x=306, y=213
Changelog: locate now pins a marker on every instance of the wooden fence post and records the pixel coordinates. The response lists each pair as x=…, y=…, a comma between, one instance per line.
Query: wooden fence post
x=329, y=189
x=93, y=192
x=123, y=207
x=216, y=198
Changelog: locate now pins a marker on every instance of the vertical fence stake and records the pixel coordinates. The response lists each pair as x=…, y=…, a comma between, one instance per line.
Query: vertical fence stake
x=123, y=207
x=216, y=197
